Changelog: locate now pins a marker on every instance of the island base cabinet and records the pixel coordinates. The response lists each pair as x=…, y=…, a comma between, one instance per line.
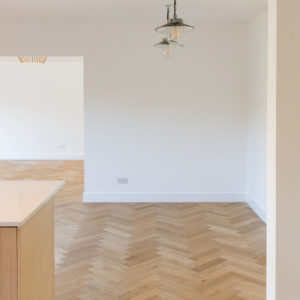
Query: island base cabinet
x=8, y=263
x=27, y=258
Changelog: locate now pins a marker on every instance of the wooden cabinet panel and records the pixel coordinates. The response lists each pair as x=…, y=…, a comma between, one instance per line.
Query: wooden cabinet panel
x=27, y=239
x=8, y=263
x=36, y=256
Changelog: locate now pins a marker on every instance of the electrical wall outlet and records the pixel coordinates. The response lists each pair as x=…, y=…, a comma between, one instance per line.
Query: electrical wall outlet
x=122, y=180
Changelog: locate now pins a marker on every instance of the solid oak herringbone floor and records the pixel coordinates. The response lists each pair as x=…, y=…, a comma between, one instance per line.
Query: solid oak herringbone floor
x=146, y=251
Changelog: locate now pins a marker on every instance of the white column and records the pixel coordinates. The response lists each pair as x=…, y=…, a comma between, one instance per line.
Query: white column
x=284, y=136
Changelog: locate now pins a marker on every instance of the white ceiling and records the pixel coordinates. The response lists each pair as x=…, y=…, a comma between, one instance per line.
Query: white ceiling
x=128, y=10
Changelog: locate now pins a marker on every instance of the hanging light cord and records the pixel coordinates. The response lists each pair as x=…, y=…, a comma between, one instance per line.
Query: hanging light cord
x=175, y=9
x=168, y=13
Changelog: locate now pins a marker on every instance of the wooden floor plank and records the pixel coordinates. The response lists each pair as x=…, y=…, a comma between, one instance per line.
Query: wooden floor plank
x=149, y=251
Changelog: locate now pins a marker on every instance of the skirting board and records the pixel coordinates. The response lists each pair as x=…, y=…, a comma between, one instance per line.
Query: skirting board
x=40, y=156
x=257, y=208
x=163, y=197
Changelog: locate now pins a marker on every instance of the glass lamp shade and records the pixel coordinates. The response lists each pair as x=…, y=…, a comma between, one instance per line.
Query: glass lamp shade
x=175, y=44
x=174, y=26
x=32, y=59
x=168, y=47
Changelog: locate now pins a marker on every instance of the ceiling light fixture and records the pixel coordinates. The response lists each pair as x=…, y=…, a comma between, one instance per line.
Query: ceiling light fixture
x=168, y=45
x=174, y=26
x=32, y=59
x=167, y=49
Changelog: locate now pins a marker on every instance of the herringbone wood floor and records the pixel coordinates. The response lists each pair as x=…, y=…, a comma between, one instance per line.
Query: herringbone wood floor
x=204, y=251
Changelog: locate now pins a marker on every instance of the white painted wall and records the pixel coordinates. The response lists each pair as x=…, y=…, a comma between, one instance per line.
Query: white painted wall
x=175, y=127
x=257, y=115
x=41, y=115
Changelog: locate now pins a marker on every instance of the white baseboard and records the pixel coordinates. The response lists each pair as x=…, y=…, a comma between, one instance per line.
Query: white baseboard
x=40, y=156
x=163, y=197
x=261, y=212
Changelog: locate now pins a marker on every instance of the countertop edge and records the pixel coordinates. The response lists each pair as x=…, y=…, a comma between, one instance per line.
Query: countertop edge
x=60, y=183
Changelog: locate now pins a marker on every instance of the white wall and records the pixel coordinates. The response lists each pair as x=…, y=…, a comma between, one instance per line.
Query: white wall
x=41, y=115
x=257, y=115
x=175, y=127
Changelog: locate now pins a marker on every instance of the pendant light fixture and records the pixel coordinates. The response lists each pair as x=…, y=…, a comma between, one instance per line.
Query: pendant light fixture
x=165, y=46
x=174, y=26
x=168, y=45
x=32, y=59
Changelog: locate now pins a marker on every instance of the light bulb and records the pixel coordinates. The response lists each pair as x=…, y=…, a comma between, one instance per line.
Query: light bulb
x=168, y=51
x=175, y=34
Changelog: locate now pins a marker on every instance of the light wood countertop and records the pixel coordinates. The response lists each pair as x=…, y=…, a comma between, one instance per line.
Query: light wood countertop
x=20, y=200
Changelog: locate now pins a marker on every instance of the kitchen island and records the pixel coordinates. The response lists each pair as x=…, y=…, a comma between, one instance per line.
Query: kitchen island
x=27, y=239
